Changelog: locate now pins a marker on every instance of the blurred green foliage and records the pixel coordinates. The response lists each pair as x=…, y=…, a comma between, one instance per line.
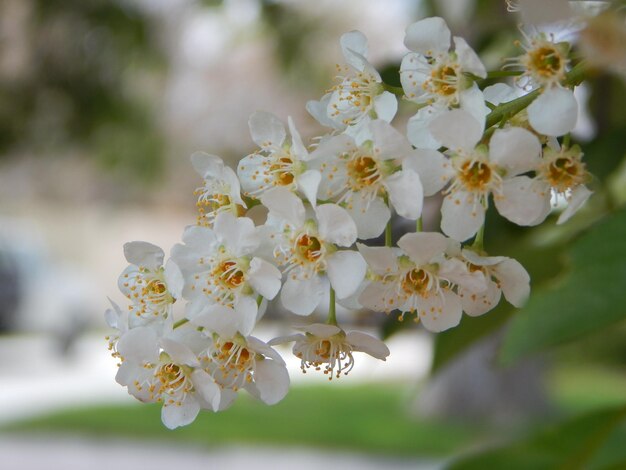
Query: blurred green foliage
x=74, y=90
x=367, y=418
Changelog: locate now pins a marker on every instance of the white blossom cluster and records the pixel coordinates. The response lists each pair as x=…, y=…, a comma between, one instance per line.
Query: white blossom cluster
x=325, y=200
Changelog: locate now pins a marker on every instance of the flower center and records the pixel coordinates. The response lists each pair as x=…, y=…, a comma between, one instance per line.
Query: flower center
x=363, y=172
x=308, y=248
x=333, y=354
x=444, y=80
x=475, y=175
x=234, y=361
x=230, y=274
x=564, y=171
x=172, y=378
x=281, y=168
x=416, y=281
x=544, y=62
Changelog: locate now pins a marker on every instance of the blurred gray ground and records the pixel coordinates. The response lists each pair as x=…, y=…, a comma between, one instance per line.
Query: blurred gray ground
x=34, y=453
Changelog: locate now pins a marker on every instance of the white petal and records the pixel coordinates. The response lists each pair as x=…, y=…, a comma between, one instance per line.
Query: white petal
x=478, y=260
x=227, y=321
x=428, y=37
x=308, y=183
x=472, y=101
x=264, y=277
x=515, y=149
x=175, y=415
x=499, y=93
x=266, y=129
x=333, y=146
x=271, y=381
x=139, y=345
x=514, y=281
x=261, y=347
x=418, y=128
x=388, y=142
x=174, y=279
x=346, y=270
x=379, y=296
x=207, y=166
x=238, y=234
x=319, y=110
x=441, y=312
x=370, y=219
x=477, y=303
x=179, y=352
x=144, y=254
x=302, y=296
x=554, y=112
x=360, y=131
x=368, y=344
x=457, y=272
x=354, y=48
x=386, y=106
x=433, y=168
x=115, y=317
x=335, y=225
x=206, y=387
x=405, y=193
x=468, y=59
x=577, y=199
x=422, y=247
x=456, y=129
x=382, y=260
x=523, y=201
x=201, y=239
x=462, y=215
x=414, y=71
x=285, y=205
x=296, y=141
x=321, y=330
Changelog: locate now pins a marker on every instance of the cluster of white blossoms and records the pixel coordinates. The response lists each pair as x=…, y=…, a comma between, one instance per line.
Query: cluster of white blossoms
x=472, y=144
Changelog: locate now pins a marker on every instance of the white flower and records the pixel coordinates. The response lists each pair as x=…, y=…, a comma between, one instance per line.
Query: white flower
x=359, y=97
x=502, y=274
x=475, y=172
x=434, y=76
x=561, y=173
x=221, y=191
x=151, y=288
x=545, y=64
x=306, y=248
x=279, y=163
x=238, y=361
x=419, y=278
x=161, y=369
x=330, y=347
x=117, y=319
x=366, y=178
x=220, y=268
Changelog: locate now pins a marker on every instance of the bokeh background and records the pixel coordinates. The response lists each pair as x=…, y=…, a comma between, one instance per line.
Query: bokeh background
x=101, y=104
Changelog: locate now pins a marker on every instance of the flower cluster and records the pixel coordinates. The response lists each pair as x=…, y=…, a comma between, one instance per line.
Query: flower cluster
x=324, y=200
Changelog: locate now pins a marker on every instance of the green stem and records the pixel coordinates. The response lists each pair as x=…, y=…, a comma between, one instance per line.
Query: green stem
x=396, y=90
x=566, y=140
x=419, y=227
x=180, y=322
x=332, y=309
x=388, y=233
x=478, y=241
x=511, y=108
x=503, y=73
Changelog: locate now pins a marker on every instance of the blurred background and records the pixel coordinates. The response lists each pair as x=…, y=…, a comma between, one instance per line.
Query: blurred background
x=101, y=104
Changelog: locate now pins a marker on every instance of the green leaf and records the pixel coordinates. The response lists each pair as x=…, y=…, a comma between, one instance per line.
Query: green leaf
x=591, y=296
x=570, y=446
